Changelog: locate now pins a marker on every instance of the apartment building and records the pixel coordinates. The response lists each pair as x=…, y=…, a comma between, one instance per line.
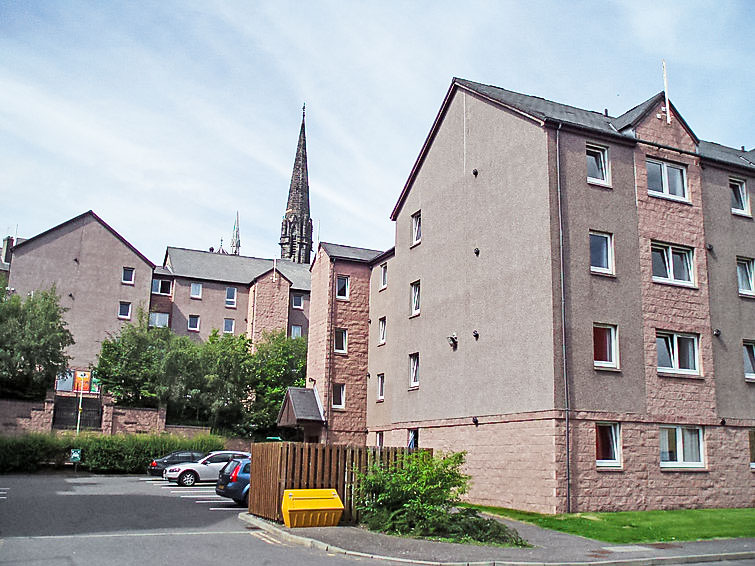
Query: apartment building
x=570, y=300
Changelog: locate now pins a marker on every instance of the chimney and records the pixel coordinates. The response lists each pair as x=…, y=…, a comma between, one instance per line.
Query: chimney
x=7, y=245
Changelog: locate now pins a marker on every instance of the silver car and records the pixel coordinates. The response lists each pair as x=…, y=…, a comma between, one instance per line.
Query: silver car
x=206, y=469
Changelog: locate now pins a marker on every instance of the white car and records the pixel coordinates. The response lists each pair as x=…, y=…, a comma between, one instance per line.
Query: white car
x=206, y=469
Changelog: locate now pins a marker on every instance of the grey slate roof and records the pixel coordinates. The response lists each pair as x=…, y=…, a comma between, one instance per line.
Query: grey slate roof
x=304, y=404
x=338, y=251
x=547, y=110
x=232, y=268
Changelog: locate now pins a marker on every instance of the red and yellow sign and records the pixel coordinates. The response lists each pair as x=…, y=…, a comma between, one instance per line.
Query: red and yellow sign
x=83, y=381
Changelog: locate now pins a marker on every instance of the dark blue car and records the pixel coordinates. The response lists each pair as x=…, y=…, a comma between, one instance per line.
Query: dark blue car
x=233, y=481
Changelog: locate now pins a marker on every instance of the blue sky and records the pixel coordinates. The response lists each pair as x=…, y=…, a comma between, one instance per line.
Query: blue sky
x=166, y=118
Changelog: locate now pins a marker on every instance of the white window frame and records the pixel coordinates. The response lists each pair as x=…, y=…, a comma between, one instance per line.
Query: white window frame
x=416, y=228
x=159, y=286
x=345, y=296
x=379, y=439
x=415, y=297
x=345, y=333
x=748, y=345
x=294, y=334
x=614, y=364
x=412, y=434
x=230, y=302
x=380, y=396
x=381, y=330
x=674, y=348
x=680, y=462
x=610, y=270
x=749, y=268
x=668, y=252
x=191, y=328
x=616, y=440
x=342, y=387
x=741, y=186
x=414, y=370
x=126, y=316
x=602, y=151
x=664, y=193
x=383, y=275
x=154, y=322
x=300, y=298
x=233, y=326
x=130, y=281
x=192, y=294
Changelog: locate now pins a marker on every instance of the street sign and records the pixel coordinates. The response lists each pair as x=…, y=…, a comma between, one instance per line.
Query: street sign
x=75, y=455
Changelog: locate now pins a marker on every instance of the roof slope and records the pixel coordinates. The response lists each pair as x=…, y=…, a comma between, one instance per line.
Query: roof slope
x=239, y=269
x=299, y=404
x=107, y=226
x=350, y=253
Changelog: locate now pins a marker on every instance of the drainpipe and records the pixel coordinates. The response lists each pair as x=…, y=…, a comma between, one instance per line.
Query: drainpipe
x=567, y=407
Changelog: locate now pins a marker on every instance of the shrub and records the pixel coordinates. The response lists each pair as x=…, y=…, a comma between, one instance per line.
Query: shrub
x=120, y=453
x=417, y=497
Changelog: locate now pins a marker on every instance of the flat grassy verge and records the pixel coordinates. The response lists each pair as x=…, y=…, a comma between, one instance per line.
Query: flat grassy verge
x=643, y=526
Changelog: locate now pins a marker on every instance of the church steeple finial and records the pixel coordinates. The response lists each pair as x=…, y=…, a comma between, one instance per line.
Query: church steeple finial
x=296, y=228
x=236, y=240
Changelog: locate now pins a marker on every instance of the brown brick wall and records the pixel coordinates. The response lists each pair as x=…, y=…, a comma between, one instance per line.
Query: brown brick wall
x=131, y=420
x=668, y=307
x=20, y=417
x=268, y=305
x=319, y=322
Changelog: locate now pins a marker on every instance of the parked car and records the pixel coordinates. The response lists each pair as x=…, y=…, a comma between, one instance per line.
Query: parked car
x=233, y=481
x=156, y=467
x=206, y=469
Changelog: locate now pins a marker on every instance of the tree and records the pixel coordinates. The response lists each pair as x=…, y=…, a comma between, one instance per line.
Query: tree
x=131, y=365
x=33, y=339
x=279, y=363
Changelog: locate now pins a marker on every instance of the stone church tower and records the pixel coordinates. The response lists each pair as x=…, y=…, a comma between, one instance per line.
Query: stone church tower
x=296, y=228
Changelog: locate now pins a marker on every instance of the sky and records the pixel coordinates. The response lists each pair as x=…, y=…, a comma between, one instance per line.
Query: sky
x=166, y=118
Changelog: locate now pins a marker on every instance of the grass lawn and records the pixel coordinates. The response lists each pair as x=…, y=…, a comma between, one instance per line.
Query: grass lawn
x=643, y=526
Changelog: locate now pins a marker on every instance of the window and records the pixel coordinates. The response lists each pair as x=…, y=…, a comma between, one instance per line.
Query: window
x=297, y=301
x=597, y=164
x=342, y=287
x=745, y=270
x=159, y=319
x=127, y=277
x=752, y=448
x=380, y=386
x=124, y=310
x=414, y=370
x=667, y=180
x=740, y=201
x=672, y=264
x=601, y=253
x=196, y=291
x=295, y=331
x=381, y=330
x=340, y=341
x=607, y=446
x=193, y=322
x=415, y=298
x=605, y=346
x=230, y=297
x=384, y=276
x=677, y=353
x=749, y=359
x=416, y=228
x=413, y=440
x=161, y=286
x=228, y=325
x=339, y=396
x=681, y=446
x=379, y=439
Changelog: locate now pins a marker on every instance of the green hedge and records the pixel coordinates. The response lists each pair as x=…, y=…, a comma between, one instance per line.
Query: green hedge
x=120, y=453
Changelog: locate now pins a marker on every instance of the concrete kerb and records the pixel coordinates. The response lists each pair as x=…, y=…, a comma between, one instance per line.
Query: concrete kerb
x=657, y=561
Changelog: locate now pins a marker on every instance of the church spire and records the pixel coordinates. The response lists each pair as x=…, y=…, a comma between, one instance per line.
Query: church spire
x=236, y=240
x=296, y=228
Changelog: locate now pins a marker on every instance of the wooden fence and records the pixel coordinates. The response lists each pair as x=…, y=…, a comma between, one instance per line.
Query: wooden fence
x=277, y=466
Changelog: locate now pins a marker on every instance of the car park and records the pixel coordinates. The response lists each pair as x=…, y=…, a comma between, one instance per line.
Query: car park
x=158, y=465
x=233, y=481
x=204, y=470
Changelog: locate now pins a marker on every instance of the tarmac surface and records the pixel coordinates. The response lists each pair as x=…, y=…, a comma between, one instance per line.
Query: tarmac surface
x=548, y=547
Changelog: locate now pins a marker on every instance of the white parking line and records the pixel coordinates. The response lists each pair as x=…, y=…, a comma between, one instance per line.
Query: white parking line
x=224, y=509
x=198, y=495
x=197, y=491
